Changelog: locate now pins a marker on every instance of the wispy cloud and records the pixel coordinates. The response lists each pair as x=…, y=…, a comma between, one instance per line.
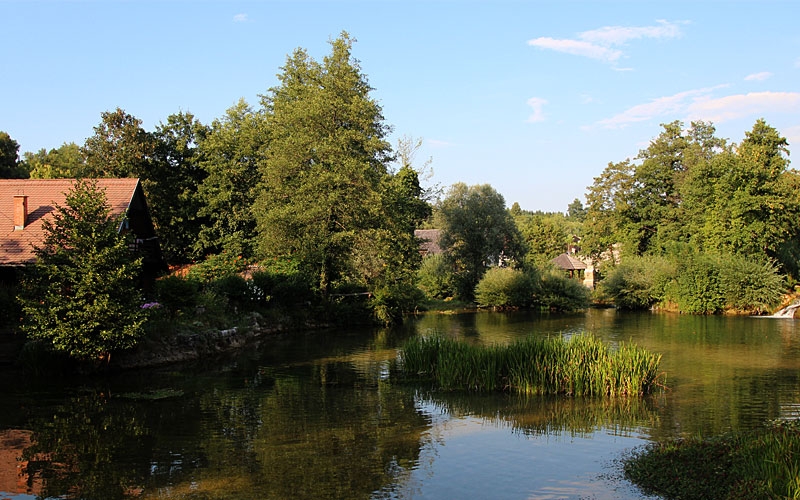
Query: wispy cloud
x=619, y=35
x=600, y=44
x=673, y=105
x=538, y=115
x=758, y=77
x=741, y=105
x=578, y=48
x=240, y=18
x=700, y=104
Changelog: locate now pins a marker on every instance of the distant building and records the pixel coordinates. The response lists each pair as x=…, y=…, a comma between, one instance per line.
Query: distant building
x=429, y=241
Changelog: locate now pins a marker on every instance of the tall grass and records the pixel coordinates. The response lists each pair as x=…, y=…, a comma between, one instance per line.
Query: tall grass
x=757, y=464
x=580, y=366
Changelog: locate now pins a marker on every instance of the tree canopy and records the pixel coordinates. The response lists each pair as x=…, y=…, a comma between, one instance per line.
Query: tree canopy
x=477, y=233
x=324, y=174
x=691, y=188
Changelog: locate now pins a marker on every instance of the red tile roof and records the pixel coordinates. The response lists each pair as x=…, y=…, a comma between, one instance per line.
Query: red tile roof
x=16, y=246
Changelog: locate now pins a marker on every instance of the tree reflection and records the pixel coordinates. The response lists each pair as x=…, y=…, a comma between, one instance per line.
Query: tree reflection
x=548, y=416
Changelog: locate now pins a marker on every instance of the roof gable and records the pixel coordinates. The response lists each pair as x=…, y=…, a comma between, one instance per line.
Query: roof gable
x=16, y=246
x=567, y=262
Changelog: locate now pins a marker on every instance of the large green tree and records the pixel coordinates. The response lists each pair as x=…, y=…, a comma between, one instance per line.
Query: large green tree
x=691, y=188
x=230, y=155
x=545, y=235
x=172, y=183
x=325, y=167
x=477, y=233
x=119, y=147
x=81, y=296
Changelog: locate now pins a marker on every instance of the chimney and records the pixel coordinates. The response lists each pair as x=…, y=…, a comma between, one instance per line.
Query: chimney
x=20, y=212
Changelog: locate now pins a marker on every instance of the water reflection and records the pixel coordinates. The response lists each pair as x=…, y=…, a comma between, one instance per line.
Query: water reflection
x=318, y=416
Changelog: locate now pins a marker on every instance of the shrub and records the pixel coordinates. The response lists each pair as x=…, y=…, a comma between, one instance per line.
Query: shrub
x=750, y=285
x=557, y=292
x=639, y=282
x=504, y=287
x=434, y=277
x=177, y=294
x=699, y=286
x=217, y=266
x=234, y=288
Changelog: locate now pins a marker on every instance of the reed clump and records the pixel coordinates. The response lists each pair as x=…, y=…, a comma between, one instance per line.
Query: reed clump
x=582, y=365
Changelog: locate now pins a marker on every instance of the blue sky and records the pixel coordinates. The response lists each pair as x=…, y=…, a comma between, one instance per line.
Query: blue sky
x=534, y=98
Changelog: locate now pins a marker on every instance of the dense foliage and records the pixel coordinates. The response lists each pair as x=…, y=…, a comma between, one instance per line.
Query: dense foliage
x=307, y=177
x=477, y=233
x=690, y=187
x=701, y=283
x=82, y=294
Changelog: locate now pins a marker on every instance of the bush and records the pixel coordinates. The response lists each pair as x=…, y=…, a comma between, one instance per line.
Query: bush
x=284, y=287
x=699, y=286
x=504, y=287
x=235, y=289
x=217, y=266
x=557, y=292
x=751, y=285
x=177, y=294
x=639, y=282
x=434, y=277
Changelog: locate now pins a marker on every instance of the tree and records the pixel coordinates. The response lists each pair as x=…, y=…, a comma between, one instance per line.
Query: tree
x=607, y=209
x=230, y=155
x=642, y=206
x=545, y=235
x=64, y=162
x=477, y=233
x=575, y=210
x=10, y=167
x=324, y=172
x=118, y=148
x=81, y=295
x=172, y=183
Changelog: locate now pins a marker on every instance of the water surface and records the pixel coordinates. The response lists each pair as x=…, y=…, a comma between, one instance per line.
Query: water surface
x=317, y=416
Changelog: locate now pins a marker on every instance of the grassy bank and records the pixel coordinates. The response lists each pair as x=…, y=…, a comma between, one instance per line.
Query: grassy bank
x=760, y=464
x=580, y=366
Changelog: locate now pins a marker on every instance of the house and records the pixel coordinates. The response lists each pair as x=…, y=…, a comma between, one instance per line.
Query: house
x=26, y=203
x=429, y=241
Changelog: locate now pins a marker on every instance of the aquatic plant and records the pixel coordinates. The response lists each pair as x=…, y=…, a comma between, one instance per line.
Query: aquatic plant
x=581, y=366
x=762, y=463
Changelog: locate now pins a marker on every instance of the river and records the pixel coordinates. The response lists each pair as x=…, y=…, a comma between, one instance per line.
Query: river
x=317, y=415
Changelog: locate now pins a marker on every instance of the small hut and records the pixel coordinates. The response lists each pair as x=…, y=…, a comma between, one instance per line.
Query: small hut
x=574, y=268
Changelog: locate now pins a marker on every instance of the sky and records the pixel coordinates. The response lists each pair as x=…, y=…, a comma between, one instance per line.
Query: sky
x=532, y=97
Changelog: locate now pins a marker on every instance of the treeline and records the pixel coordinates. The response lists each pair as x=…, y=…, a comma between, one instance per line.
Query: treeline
x=306, y=185
x=699, y=224
x=305, y=180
